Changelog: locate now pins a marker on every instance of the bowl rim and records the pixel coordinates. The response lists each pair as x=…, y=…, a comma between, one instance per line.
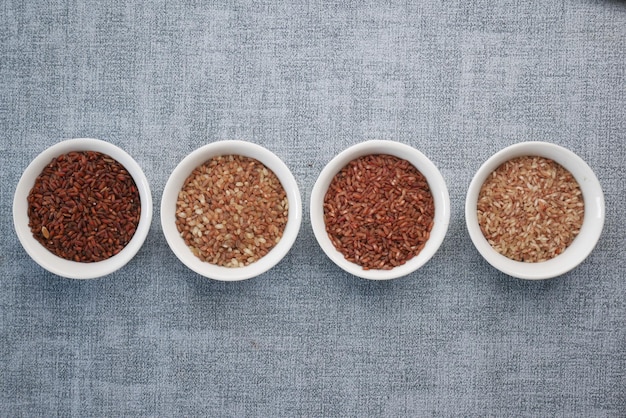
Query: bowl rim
x=176, y=181
x=437, y=186
x=593, y=220
x=53, y=263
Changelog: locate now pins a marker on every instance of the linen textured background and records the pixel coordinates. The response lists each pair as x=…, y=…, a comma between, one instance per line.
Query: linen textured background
x=459, y=80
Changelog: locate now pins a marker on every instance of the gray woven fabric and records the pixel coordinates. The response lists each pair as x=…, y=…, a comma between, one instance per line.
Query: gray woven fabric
x=458, y=80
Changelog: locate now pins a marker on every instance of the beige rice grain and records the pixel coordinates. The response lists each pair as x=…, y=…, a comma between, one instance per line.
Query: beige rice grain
x=530, y=209
x=231, y=211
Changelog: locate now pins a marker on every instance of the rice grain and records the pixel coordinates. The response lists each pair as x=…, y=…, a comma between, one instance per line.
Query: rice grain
x=231, y=211
x=530, y=209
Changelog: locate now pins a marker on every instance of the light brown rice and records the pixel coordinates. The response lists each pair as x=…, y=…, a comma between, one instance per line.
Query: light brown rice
x=231, y=211
x=530, y=209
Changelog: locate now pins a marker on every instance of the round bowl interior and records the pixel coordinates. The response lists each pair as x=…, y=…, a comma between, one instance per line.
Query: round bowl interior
x=175, y=184
x=58, y=265
x=437, y=186
x=582, y=245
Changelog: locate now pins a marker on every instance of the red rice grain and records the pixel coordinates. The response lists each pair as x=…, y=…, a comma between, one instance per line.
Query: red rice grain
x=379, y=211
x=84, y=206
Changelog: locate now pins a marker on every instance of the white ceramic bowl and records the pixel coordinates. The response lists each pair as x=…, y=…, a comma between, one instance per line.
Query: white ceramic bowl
x=437, y=186
x=47, y=259
x=175, y=184
x=582, y=245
